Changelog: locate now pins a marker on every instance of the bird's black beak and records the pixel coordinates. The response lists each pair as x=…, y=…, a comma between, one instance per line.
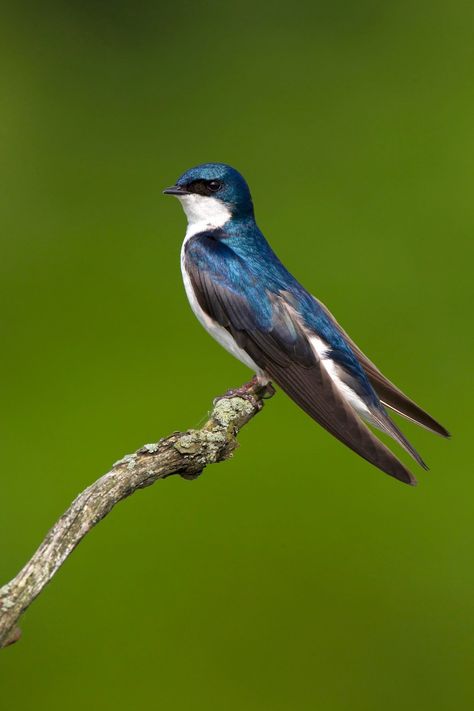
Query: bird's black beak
x=175, y=190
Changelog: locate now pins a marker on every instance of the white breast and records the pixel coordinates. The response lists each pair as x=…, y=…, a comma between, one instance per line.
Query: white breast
x=206, y=213
x=203, y=213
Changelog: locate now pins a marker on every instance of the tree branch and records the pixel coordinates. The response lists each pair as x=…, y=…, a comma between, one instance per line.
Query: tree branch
x=183, y=453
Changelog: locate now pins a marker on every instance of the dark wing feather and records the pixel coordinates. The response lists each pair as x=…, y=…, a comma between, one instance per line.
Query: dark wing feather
x=313, y=390
x=388, y=393
x=262, y=324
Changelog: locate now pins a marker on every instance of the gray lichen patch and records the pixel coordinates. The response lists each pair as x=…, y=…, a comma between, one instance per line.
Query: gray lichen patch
x=206, y=443
x=214, y=442
x=6, y=604
x=150, y=448
x=131, y=462
x=229, y=409
x=189, y=443
x=5, y=590
x=125, y=460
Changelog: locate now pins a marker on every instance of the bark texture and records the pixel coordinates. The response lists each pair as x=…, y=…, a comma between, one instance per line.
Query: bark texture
x=183, y=453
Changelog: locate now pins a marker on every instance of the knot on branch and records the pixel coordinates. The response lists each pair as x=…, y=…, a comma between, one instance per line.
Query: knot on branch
x=217, y=440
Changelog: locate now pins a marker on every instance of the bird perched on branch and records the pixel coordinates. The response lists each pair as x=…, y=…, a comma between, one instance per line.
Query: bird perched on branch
x=250, y=303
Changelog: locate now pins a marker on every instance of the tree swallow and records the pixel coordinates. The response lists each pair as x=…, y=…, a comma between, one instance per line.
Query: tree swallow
x=251, y=304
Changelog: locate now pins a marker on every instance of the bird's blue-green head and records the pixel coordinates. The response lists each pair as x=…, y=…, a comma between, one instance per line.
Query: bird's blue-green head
x=211, y=194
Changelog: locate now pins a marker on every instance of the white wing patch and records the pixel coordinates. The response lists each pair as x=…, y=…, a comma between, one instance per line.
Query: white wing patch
x=321, y=351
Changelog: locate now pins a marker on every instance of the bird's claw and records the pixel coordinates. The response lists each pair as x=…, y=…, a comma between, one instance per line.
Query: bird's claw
x=253, y=391
x=268, y=391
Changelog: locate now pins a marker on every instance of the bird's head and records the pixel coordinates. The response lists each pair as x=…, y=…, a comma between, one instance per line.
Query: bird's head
x=211, y=194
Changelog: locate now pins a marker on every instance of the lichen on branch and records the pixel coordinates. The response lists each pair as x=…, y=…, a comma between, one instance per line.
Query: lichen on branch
x=183, y=453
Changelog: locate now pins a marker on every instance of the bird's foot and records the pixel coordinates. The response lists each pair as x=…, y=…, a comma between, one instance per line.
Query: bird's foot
x=268, y=391
x=254, y=391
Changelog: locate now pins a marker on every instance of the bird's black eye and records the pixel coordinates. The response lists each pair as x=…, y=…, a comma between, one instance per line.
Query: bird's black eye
x=204, y=187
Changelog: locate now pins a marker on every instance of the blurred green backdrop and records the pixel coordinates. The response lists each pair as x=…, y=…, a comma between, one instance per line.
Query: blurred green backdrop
x=295, y=576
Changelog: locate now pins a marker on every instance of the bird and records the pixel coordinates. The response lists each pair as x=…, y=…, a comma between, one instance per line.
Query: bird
x=256, y=309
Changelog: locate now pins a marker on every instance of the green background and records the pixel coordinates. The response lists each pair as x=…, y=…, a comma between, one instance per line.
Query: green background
x=295, y=576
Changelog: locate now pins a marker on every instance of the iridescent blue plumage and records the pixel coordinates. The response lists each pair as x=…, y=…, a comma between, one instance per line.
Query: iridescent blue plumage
x=242, y=260
x=251, y=304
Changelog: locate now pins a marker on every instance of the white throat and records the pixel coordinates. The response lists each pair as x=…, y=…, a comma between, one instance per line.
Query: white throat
x=204, y=213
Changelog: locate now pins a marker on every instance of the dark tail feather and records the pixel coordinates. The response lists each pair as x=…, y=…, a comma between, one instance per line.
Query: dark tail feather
x=392, y=397
x=381, y=419
x=389, y=394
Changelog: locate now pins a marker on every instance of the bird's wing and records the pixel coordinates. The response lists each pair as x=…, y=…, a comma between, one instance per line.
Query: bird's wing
x=265, y=325
x=389, y=394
